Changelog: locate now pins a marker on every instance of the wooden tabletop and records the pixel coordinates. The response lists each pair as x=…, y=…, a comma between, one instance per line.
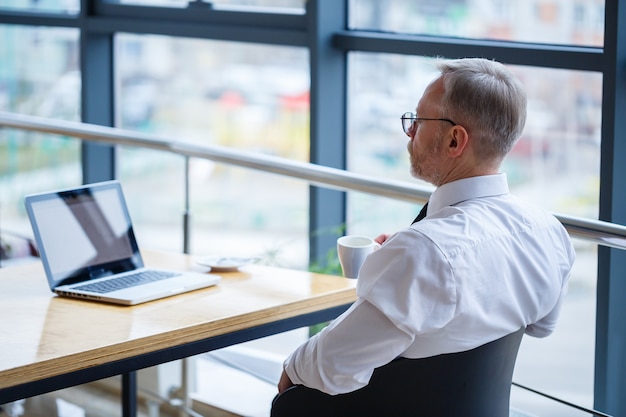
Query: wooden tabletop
x=43, y=335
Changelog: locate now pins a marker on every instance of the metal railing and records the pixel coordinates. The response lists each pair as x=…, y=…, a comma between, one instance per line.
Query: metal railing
x=597, y=231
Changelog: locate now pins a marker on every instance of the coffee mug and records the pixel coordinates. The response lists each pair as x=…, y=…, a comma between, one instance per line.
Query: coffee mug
x=352, y=251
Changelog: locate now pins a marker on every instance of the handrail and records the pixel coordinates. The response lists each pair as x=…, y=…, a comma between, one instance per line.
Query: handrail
x=591, y=411
x=597, y=231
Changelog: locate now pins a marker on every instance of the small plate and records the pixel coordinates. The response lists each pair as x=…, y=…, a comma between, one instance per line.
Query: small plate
x=225, y=263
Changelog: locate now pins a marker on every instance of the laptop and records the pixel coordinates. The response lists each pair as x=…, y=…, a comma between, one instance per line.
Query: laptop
x=88, y=249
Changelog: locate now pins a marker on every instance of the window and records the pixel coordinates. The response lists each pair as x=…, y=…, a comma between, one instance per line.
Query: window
x=223, y=4
x=551, y=20
x=247, y=97
x=71, y=7
x=244, y=84
x=38, y=76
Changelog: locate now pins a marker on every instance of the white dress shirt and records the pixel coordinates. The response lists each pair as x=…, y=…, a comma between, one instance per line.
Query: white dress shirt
x=481, y=265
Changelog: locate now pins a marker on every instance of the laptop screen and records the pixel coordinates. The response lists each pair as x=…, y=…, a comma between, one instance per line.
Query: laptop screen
x=83, y=233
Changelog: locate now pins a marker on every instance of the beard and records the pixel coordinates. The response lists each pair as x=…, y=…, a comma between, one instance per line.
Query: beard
x=425, y=165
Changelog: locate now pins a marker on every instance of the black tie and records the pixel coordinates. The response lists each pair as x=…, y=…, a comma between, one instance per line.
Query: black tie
x=421, y=214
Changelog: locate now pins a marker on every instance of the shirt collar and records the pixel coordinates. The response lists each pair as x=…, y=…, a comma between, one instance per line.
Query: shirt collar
x=467, y=188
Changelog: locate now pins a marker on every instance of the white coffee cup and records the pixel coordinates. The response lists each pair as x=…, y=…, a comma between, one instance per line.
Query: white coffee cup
x=352, y=251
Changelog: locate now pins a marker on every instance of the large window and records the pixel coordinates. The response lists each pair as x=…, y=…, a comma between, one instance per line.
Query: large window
x=39, y=72
x=577, y=22
x=249, y=97
x=38, y=76
x=245, y=83
x=556, y=163
x=70, y=7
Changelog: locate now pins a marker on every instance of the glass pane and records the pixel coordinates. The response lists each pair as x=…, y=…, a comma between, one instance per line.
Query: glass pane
x=562, y=364
x=555, y=165
x=49, y=6
x=39, y=74
x=561, y=141
x=36, y=162
x=579, y=22
x=250, y=97
x=272, y=5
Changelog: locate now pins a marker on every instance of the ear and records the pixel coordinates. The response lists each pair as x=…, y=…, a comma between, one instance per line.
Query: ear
x=458, y=140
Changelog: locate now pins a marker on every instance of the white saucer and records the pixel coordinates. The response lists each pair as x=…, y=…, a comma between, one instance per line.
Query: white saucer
x=225, y=263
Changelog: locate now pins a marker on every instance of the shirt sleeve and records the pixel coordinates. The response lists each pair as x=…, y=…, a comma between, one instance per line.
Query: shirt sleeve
x=546, y=325
x=343, y=356
x=402, y=291
x=411, y=281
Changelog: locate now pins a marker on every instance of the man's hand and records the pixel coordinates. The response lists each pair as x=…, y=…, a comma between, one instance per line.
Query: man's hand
x=284, y=383
x=381, y=239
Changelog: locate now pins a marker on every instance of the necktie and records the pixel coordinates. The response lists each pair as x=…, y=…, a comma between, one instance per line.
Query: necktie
x=421, y=214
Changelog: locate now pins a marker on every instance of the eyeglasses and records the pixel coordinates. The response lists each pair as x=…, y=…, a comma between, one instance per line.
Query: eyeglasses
x=409, y=119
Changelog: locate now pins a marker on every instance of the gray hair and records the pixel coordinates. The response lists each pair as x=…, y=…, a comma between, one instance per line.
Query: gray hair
x=485, y=98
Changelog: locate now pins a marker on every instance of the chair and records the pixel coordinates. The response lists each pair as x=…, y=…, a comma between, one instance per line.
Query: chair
x=474, y=383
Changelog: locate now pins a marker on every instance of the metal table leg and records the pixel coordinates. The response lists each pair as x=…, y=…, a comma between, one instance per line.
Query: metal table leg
x=129, y=394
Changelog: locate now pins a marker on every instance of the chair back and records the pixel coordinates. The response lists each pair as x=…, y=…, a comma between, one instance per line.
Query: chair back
x=473, y=383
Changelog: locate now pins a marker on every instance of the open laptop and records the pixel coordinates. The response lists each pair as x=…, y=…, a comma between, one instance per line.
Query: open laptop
x=87, y=245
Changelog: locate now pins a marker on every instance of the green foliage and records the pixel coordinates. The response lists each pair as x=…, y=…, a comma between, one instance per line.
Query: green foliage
x=316, y=328
x=330, y=263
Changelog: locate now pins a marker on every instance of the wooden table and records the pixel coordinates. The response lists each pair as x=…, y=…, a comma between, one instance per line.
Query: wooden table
x=49, y=343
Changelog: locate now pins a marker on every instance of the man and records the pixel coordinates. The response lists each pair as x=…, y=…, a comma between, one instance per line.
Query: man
x=480, y=265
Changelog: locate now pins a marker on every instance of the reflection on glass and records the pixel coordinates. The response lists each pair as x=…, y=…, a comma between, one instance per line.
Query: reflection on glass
x=38, y=76
x=250, y=97
x=49, y=6
x=555, y=22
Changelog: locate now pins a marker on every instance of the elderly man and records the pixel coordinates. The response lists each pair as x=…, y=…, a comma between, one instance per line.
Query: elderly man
x=477, y=264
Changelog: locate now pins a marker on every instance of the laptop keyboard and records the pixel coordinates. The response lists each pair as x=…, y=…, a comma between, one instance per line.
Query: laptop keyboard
x=125, y=281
